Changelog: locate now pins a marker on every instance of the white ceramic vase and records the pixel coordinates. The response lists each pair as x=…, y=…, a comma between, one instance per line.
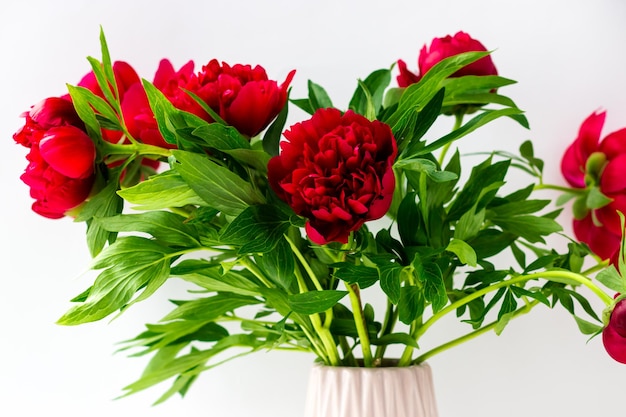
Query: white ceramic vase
x=370, y=392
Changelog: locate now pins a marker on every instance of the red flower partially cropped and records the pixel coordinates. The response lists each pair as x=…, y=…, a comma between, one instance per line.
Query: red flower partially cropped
x=60, y=172
x=614, y=333
x=441, y=48
x=48, y=113
x=336, y=170
x=589, y=162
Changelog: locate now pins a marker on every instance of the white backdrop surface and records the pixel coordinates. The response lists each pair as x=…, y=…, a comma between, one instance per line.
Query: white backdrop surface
x=568, y=57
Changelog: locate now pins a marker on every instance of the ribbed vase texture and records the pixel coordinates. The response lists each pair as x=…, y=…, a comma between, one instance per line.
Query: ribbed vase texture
x=336, y=391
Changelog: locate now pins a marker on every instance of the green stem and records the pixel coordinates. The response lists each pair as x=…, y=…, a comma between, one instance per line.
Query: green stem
x=556, y=276
x=472, y=335
x=458, y=121
x=361, y=327
x=331, y=355
x=251, y=266
x=305, y=264
x=570, y=190
x=134, y=149
x=391, y=316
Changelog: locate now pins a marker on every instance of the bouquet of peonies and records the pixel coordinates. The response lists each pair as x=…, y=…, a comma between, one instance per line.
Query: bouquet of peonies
x=193, y=176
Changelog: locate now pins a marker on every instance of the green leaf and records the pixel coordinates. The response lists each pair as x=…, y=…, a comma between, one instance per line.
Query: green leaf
x=219, y=187
x=463, y=251
x=188, y=362
x=104, y=204
x=426, y=166
x=536, y=294
x=610, y=278
x=257, y=229
x=85, y=102
x=587, y=327
x=417, y=95
x=272, y=136
x=369, y=94
x=531, y=228
x=434, y=287
x=210, y=277
x=390, y=278
x=516, y=208
x=131, y=263
x=304, y=104
x=221, y=137
x=595, y=198
x=318, y=97
x=161, y=191
x=360, y=274
x=411, y=304
x=486, y=116
x=313, y=302
x=168, y=228
x=208, y=308
x=540, y=262
x=484, y=179
x=279, y=264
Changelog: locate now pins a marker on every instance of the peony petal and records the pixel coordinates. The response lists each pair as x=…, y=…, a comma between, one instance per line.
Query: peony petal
x=69, y=151
x=614, y=344
x=613, y=178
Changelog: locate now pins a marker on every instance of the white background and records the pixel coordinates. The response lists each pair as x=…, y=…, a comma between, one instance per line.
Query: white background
x=568, y=57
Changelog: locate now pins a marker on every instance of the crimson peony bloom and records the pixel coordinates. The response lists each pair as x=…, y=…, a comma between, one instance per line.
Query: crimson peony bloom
x=60, y=172
x=614, y=334
x=336, y=170
x=441, y=48
x=48, y=113
x=591, y=162
x=241, y=95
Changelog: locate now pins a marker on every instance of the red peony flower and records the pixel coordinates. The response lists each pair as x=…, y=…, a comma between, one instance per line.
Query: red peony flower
x=591, y=162
x=241, y=95
x=48, y=113
x=614, y=334
x=138, y=115
x=60, y=172
x=335, y=170
x=441, y=48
